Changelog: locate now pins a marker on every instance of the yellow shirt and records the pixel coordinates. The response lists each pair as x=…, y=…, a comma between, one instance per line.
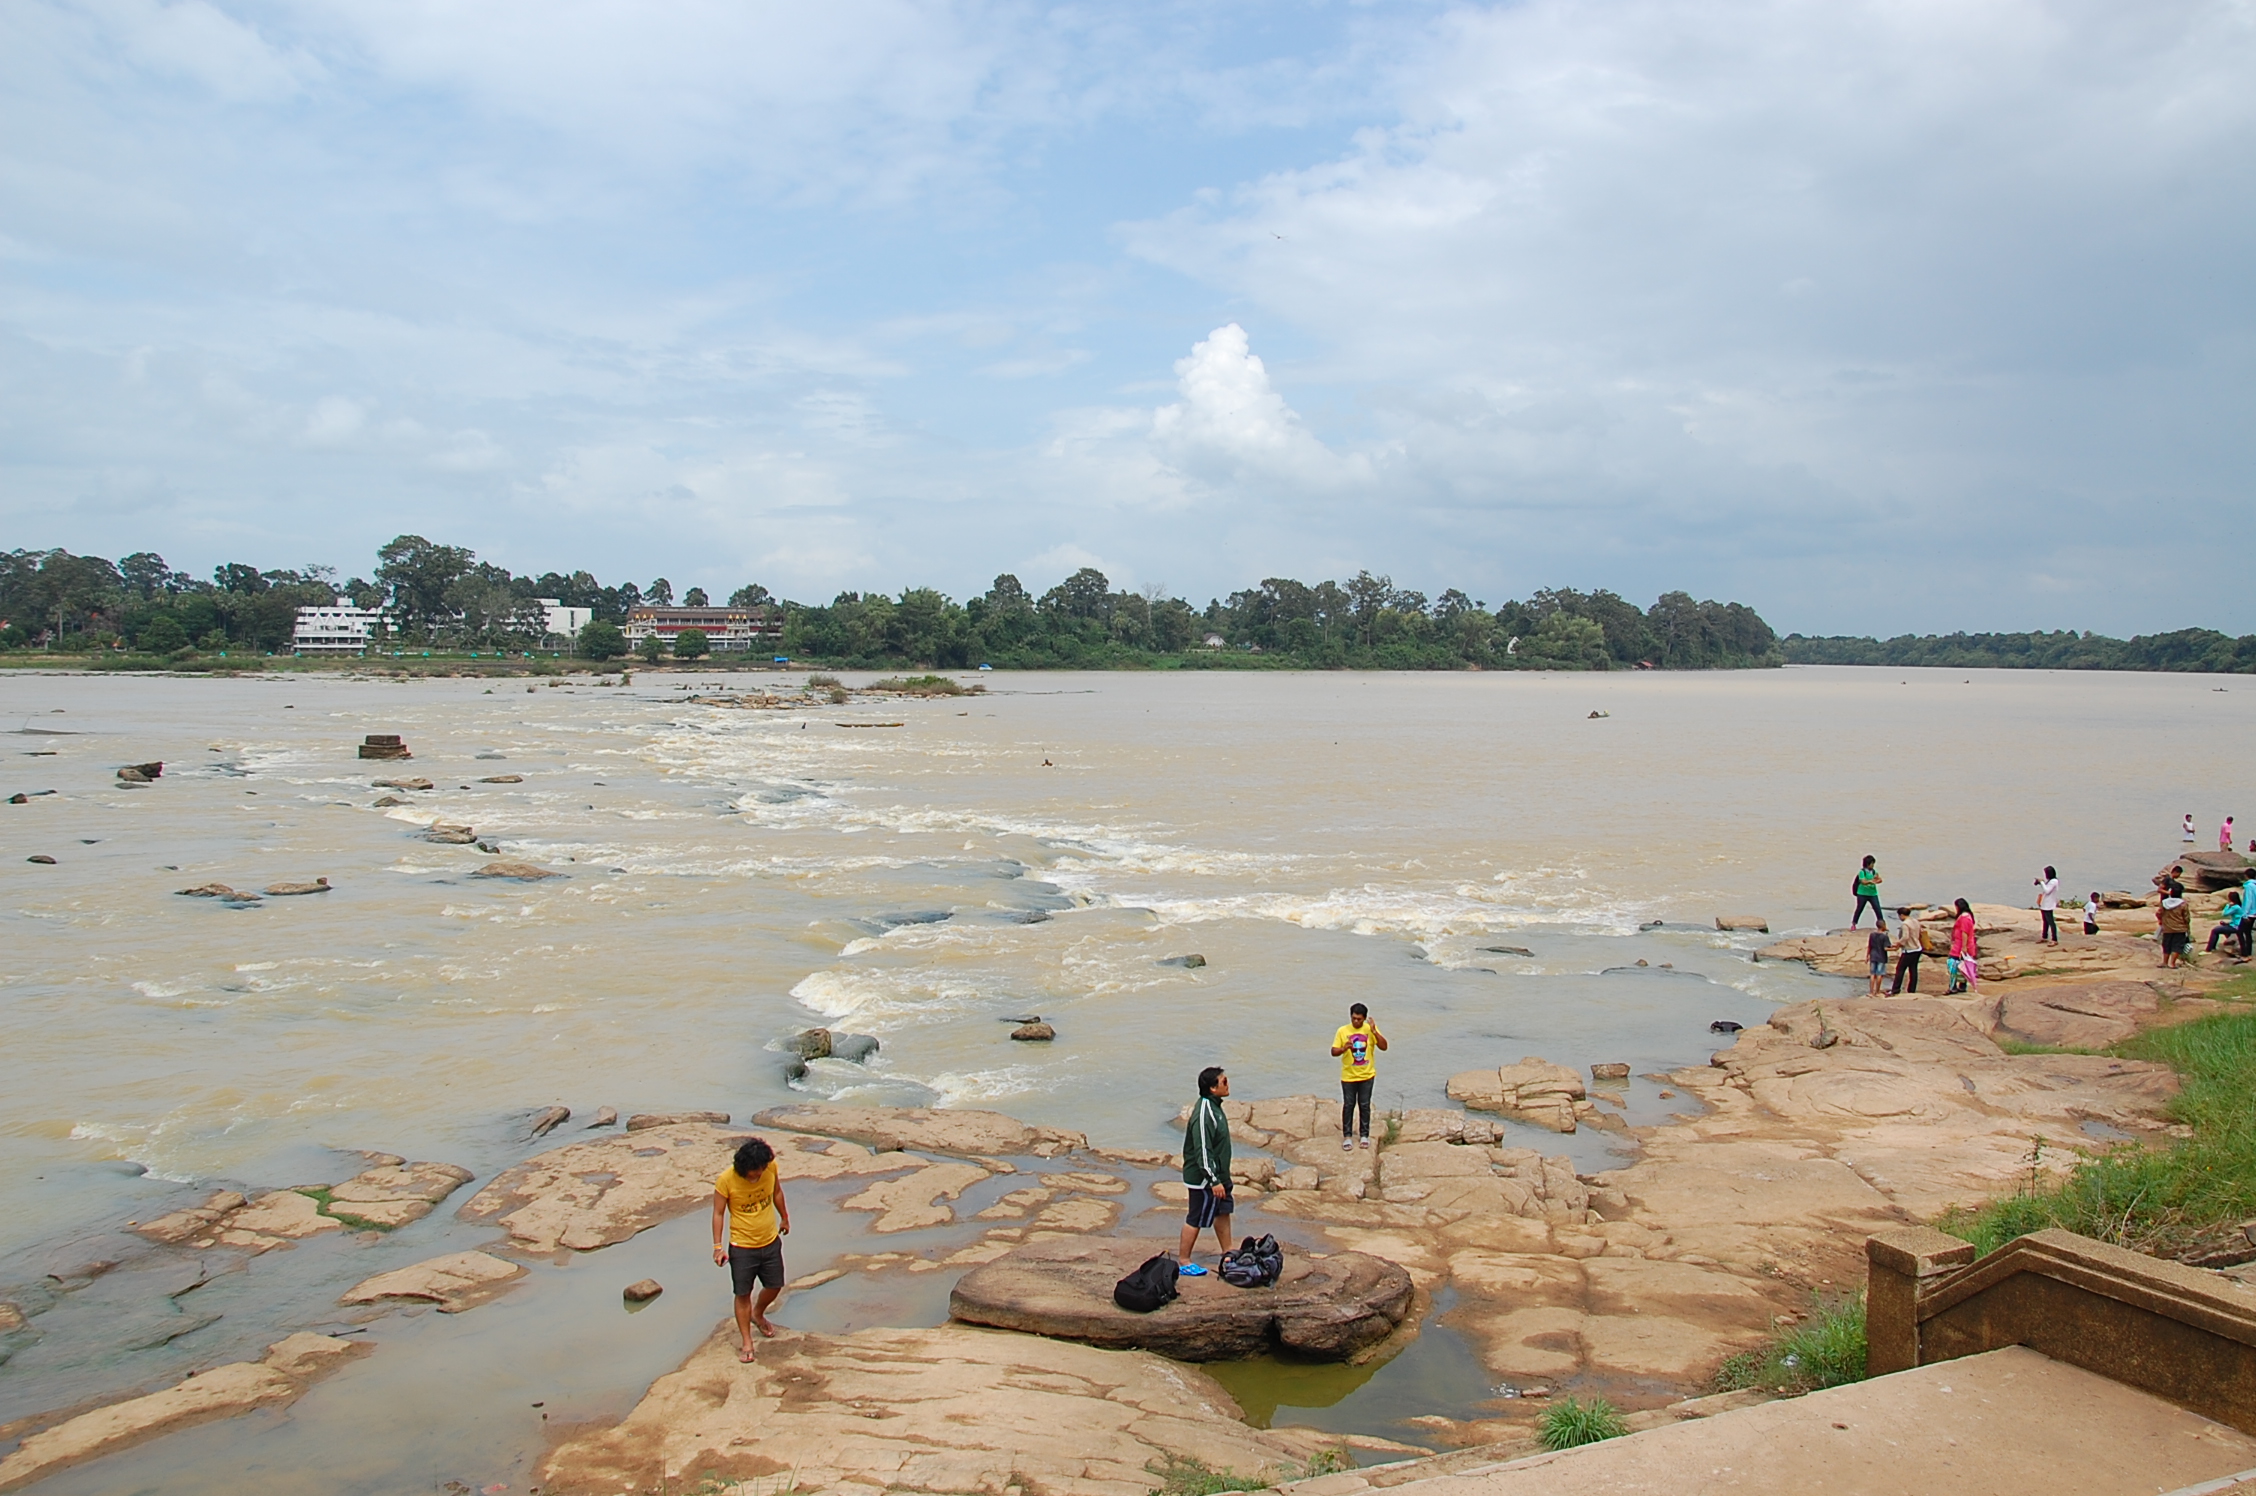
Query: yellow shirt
x=1347, y=1041
x=751, y=1203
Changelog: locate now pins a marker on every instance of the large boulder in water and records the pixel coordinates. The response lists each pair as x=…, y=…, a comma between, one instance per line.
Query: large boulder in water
x=1323, y=1307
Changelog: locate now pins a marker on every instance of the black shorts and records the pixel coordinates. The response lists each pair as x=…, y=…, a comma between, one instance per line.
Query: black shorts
x=756, y=1264
x=1203, y=1206
x=2175, y=942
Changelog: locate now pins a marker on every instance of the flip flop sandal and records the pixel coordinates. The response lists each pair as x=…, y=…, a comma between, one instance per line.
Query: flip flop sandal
x=1191, y=1270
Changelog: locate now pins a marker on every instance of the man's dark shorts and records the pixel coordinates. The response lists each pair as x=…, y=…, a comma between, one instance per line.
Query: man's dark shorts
x=764, y=1264
x=1203, y=1207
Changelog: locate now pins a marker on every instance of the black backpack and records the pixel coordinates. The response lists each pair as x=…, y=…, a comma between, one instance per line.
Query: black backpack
x=1255, y=1264
x=1148, y=1287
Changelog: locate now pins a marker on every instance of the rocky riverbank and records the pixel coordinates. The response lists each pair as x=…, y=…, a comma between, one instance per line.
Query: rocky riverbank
x=1834, y=1119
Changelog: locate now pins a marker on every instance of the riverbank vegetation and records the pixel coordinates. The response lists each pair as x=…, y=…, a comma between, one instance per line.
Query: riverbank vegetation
x=442, y=599
x=1825, y=1349
x=2200, y=650
x=2186, y=1201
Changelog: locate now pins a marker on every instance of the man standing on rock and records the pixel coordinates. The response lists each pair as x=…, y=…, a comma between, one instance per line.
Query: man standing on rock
x=748, y=1198
x=1206, y=1168
x=1357, y=1044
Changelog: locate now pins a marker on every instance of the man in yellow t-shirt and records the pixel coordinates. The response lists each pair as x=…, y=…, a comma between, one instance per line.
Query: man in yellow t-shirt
x=1357, y=1043
x=748, y=1201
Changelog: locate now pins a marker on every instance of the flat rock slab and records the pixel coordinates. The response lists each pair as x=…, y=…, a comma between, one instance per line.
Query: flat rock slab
x=287, y=1369
x=927, y=1129
x=589, y=1195
x=1324, y=1307
x=2083, y=1015
x=946, y=1409
x=455, y=1282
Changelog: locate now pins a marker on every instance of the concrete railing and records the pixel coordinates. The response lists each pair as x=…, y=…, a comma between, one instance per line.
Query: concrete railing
x=2177, y=1332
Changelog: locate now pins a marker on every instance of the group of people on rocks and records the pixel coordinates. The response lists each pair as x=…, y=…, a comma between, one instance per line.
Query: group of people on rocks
x=751, y=1216
x=2173, y=924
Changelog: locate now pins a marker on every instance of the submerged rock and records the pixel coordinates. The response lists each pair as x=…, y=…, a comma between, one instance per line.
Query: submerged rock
x=1189, y=963
x=1033, y=1032
x=503, y=779
x=642, y=1290
x=547, y=1119
x=220, y=891
x=400, y=784
x=452, y=835
x=1323, y=1307
x=1609, y=1072
x=1756, y=922
x=523, y=872
x=288, y=1368
x=43, y=859
x=293, y=890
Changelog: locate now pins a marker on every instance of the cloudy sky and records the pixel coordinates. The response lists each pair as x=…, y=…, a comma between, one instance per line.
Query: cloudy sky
x=1878, y=316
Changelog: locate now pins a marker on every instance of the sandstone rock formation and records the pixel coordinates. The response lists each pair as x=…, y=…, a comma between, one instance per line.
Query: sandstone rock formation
x=390, y=1192
x=1324, y=1307
x=591, y=1194
x=1036, y=1032
x=2081, y=1015
x=927, y=1129
x=455, y=1282
x=292, y=890
x=1534, y=1091
x=522, y=872
x=287, y=1369
x=449, y=834
x=952, y=1409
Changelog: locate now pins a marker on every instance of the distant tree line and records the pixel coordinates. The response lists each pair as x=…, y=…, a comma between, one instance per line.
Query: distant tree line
x=442, y=596
x=2199, y=650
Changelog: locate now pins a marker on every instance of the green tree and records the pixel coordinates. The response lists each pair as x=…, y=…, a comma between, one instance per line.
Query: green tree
x=652, y=648
x=750, y=595
x=602, y=641
x=418, y=574
x=162, y=635
x=695, y=598
x=1565, y=642
x=691, y=644
x=659, y=594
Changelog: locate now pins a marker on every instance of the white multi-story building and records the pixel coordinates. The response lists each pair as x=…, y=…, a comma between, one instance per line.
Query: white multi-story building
x=338, y=629
x=563, y=622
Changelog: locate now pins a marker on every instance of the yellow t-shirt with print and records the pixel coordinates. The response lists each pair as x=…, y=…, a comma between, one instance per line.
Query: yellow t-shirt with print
x=1359, y=1051
x=751, y=1206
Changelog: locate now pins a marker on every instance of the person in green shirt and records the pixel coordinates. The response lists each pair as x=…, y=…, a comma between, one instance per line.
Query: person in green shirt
x=1868, y=892
x=1206, y=1168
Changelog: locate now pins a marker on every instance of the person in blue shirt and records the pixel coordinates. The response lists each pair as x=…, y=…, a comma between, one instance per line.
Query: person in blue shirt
x=2230, y=923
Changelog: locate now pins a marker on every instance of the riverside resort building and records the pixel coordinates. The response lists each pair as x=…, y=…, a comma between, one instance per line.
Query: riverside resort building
x=726, y=629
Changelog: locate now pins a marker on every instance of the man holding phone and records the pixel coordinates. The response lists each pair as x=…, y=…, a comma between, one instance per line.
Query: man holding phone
x=1357, y=1044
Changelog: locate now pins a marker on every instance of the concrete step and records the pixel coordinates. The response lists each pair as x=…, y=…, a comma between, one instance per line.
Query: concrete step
x=2011, y=1422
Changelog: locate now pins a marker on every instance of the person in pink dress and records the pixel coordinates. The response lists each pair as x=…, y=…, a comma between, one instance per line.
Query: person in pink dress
x=1965, y=952
x=2225, y=836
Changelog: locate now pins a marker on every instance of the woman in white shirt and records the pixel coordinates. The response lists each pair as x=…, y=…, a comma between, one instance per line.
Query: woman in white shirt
x=2048, y=906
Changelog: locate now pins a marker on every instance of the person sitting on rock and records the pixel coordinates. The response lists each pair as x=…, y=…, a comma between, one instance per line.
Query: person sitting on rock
x=748, y=1198
x=1206, y=1168
x=2228, y=923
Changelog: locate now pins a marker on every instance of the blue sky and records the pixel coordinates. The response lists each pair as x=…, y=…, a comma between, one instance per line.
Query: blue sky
x=1880, y=317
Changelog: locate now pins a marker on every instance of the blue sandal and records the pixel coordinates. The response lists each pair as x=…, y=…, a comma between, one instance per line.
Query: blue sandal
x=1191, y=1270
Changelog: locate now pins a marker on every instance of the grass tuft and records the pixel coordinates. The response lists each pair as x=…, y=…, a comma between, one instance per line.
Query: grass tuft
x=822, y=682
x=321, y=1196
x=924, y=685
x=1825, y=1350
x=1188, y=1475
x=2186, y=1201
x=1571, y=1422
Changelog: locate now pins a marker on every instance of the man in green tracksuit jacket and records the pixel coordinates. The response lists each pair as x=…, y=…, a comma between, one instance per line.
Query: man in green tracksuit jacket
x=1206, y=1164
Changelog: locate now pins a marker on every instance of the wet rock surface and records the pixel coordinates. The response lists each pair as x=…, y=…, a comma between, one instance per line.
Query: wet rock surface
x=927, y=1129
x=590, y=1194
x=278, y=1378
x=1326, y=1308
x=455, y=1282
x=1534, y=1090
